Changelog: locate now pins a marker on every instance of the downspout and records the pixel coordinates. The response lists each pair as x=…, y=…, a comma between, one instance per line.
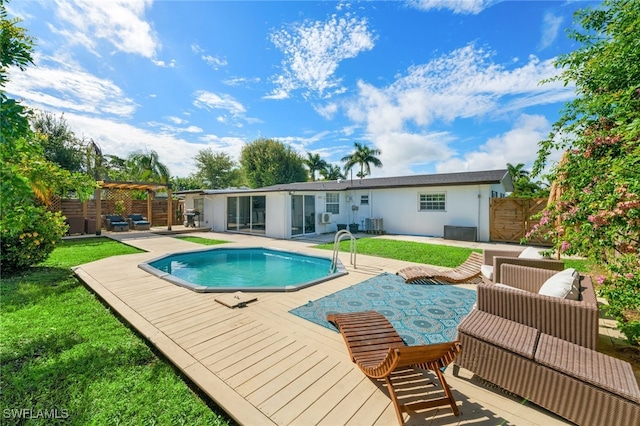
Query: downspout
x=479, y=212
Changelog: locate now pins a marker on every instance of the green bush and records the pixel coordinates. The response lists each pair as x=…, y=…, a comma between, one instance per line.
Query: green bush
x=28, y=235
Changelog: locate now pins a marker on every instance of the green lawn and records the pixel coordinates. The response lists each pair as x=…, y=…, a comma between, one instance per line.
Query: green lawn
x=432, y=254
x=200, y=240
x=63, y=350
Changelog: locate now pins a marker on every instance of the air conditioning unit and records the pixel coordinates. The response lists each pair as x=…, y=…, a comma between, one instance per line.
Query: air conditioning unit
x=324, y=217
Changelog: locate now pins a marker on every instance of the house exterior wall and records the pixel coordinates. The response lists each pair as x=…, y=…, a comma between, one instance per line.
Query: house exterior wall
x=398, y=207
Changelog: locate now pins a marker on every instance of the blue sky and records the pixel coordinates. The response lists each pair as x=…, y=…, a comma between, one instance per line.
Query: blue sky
x=437, y=86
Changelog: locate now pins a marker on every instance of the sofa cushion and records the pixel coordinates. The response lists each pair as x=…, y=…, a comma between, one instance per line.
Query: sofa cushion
x=504, y=333
x=601, y=370
x=564, y=284
x=487, y=271
x=115, y=219
x=530, y=253
x=136, y=217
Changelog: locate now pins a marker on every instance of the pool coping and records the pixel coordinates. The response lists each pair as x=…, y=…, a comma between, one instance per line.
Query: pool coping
x=339, y=271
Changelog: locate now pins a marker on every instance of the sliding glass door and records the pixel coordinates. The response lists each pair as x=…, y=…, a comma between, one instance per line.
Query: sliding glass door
x=247, y=214
x=303, y=212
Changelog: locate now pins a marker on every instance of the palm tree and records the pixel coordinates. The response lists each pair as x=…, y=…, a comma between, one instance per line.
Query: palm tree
x=146, y=167
x=364, y=156
x=517, y=171
x=332, y=172
x=315, y=164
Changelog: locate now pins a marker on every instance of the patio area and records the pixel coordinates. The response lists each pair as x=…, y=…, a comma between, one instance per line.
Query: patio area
x=262, y=364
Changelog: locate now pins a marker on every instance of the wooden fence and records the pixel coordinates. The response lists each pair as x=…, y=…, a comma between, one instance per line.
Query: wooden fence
x=76, y=208
x=510, y=219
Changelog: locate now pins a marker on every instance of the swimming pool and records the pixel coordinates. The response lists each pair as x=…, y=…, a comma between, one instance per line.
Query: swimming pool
x=254, y=269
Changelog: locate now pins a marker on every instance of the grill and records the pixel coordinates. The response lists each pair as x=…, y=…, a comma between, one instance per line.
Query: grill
x=191, y=216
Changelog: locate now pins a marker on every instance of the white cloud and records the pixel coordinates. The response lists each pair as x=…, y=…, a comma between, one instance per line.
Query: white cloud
x=209, y=100
x=117, y=138
x=403, y=153
x=118, y=22
x=213, y=61
x=456, y=6
x=518, y=145
x=313, y=51
x=464, y=84
x=241, y=81
x=550, y=27
x=55, y=85
x=176, y=120
x=163, y=64
x=229, y=145
x=327, y=111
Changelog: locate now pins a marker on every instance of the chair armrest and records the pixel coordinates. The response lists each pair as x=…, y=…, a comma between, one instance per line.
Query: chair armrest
x=498, y=261
x=489, y=254
x=573, y=320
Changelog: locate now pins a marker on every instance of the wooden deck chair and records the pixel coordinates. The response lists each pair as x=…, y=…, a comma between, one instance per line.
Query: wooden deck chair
x=377, y=348
x=467, y=271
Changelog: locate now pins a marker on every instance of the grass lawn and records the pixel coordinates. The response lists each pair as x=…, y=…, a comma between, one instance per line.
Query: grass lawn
x=432, y=254
x=63, y=350
x=200, y=240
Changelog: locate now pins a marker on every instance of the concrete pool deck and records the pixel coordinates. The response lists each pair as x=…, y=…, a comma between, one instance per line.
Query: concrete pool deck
x=265, y=366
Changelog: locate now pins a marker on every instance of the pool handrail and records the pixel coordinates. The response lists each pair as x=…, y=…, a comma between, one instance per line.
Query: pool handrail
x=336, y=248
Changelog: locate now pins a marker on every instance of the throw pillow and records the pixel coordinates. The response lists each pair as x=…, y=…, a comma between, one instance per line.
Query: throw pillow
x=562, y=285
x=530, y=253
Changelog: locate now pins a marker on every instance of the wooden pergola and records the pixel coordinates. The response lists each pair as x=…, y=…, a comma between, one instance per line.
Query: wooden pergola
x=148, y=187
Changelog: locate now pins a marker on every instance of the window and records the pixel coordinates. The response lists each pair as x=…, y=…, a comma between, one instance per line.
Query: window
x=432, y=202
x=364, y=200
x=332, y=203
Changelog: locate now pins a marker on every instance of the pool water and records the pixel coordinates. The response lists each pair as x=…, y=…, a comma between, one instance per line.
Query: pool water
x=242, y=269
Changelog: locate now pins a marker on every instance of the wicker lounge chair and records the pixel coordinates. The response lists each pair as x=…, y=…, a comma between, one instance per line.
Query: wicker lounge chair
x=465, y=272
x=375, y=346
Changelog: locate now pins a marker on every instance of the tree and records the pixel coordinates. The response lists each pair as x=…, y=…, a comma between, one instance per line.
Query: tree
x=28, y=230
x=523, y=186
x=59, y=142
x=145, y=166
x=516, y=172
x=364, y=157
x=332, y=172
x=94, y=165
x=216, y=169
x=186, y=183
x=268, y=162
x=595, y=211
x=315, y=164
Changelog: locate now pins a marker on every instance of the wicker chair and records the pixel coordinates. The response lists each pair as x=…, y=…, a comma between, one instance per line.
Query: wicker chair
x=493, y=259
x=543, y=349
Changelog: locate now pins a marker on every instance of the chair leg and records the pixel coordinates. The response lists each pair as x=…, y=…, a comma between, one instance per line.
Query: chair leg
x=394, y=399
x=447, y=391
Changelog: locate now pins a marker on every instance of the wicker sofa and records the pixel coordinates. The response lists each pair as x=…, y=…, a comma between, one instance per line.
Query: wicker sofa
x=494, y=259
x=544, y=349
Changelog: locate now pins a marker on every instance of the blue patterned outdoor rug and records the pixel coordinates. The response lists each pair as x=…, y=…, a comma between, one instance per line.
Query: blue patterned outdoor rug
x=421, y=314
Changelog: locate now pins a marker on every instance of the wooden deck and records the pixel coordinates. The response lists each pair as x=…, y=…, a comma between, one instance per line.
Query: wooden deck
x=263, y=365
